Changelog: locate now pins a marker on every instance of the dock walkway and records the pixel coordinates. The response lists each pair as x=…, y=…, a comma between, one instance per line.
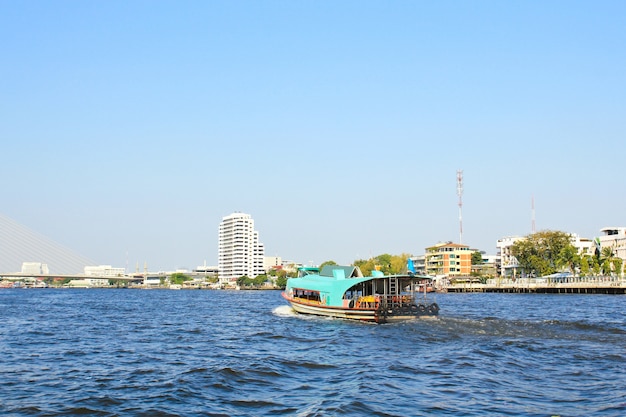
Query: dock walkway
x=570, y=285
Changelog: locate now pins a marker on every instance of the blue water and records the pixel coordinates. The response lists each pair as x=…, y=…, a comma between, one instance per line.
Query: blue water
x=244, y=353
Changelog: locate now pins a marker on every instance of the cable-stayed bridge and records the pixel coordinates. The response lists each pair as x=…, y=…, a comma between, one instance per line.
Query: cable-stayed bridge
x=19, y=244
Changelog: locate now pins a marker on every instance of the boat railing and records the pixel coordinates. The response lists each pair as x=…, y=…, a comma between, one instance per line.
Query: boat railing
x=402, y=300
x=374, y=301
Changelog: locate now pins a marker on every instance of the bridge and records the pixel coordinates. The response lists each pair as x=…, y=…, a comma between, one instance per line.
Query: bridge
x=19, y=244
x=18, y=276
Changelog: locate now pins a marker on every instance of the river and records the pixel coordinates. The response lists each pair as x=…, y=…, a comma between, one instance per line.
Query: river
x=108, y=352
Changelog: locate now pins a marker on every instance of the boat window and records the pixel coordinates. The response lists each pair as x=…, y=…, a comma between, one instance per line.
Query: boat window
x=302, y=272
x=306, y=294
x=359, y=290
x=352, y=293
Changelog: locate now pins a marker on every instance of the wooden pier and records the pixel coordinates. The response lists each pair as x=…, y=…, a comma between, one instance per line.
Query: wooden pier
x=572, y=285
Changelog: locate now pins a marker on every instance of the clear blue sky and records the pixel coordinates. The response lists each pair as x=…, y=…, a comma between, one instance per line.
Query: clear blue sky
x=130, y=128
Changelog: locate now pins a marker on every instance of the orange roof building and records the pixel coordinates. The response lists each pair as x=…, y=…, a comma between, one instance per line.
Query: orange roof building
x=451, y=259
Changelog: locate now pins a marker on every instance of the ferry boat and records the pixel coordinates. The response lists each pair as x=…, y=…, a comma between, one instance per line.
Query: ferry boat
x=343, y=292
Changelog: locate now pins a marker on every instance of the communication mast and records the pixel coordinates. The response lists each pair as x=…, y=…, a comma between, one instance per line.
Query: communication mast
x=532, y=208
x=459, y=191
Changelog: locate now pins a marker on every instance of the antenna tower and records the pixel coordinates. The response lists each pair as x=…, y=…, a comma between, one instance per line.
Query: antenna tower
x=459, y=191
x=532, y=207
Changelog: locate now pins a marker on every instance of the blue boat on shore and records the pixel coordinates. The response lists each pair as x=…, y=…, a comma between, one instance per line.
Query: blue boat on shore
x=343, y=292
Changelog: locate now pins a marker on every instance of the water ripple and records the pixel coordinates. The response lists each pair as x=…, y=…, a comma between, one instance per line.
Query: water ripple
x=219, y=353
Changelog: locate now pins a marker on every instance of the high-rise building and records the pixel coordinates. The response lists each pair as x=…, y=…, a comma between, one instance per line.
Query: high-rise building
x=239, y=250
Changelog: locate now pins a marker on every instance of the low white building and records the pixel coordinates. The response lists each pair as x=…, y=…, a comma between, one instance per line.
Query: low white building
x=419, y=264
x=272, y=262
x=206, y=270
x=585, y=246
x=104, y=271
x=35, y=268
x=88, y=283
x=508, y=262
x=292, y=266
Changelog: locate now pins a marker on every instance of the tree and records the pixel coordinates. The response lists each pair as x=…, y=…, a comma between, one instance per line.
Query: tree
x=568, y=257
x=323, y=264
x=179, y=278
x=544, y=252
x=618, y=264
x=399, y=263
x=387, y=264
x=259, y=280
x=596, y=266
x=524, y=251
x=585, y=267
x=281, y=282
x=243, y=280
x=477, y=258
x=366, y=266
x=606, y=260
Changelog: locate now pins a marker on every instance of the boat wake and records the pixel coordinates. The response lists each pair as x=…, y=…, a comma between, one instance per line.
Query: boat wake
x=284, y=311
x=287, y=311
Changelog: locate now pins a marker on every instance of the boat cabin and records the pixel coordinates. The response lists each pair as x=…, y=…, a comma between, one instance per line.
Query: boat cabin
x=346, y=287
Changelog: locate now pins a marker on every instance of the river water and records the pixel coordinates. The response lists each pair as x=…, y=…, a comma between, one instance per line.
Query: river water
x=245, y=353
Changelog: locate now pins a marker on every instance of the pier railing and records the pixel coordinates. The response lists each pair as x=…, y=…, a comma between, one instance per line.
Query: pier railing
x=574, y=284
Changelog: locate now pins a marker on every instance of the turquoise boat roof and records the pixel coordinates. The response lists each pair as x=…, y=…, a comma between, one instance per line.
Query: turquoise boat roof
x=333, y=280
x=348, y=271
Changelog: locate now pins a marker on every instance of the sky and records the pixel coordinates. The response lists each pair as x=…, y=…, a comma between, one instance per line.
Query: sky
x=128, y=129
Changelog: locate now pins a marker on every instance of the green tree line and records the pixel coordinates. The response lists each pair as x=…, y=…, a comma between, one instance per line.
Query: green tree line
x=386, y=263
x=547, y=252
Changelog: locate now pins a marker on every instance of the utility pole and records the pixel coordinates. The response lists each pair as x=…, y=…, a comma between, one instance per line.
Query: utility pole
x=459, y=191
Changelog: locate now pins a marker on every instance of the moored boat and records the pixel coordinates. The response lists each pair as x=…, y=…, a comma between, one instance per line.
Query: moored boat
x=343, y=292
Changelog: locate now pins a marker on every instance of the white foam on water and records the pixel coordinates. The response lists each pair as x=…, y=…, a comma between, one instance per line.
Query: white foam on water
x=284, y=311
x=287, y=311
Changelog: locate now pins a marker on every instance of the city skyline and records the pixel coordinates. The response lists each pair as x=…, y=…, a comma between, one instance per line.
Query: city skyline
x=130, y=129
x=19, y=246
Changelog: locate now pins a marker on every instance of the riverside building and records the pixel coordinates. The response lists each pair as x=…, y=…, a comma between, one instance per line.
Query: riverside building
x=239, y=250
x=614, y=238
x=35, y=268
x=451, y=259
x=510, y=265
x=104, y=271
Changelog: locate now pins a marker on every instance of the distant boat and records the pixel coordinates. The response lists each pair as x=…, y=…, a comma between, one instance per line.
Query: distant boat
x=343, y=292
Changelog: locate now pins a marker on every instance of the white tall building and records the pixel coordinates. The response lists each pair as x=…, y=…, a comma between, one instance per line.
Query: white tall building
x=239, y=250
